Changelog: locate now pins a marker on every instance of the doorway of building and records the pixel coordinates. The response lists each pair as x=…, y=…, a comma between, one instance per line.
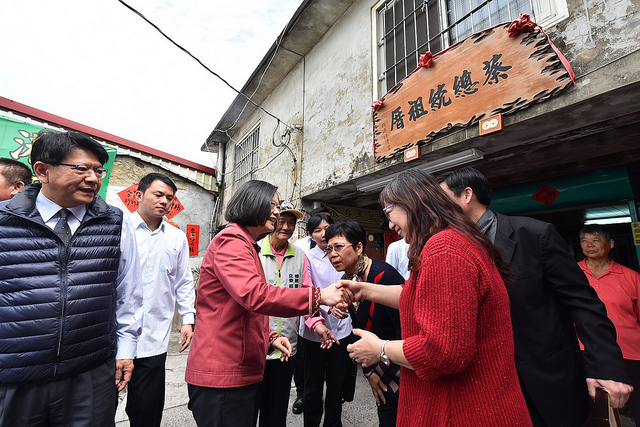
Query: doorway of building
x=569, y=223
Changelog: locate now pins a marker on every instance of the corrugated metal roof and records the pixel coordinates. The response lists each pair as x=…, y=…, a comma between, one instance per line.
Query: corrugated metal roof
x=204, y=180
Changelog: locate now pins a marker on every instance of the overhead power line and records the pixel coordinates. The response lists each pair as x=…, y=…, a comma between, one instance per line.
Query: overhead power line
x=202, y=64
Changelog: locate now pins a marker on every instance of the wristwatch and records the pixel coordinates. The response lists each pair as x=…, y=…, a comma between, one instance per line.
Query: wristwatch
x=383, y=356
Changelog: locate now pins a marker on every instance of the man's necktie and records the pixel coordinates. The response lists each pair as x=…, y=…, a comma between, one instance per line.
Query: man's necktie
x=62, y=227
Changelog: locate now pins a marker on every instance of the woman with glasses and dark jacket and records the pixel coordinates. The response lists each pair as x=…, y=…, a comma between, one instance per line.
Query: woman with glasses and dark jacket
x=346, y=243
x=330, y=363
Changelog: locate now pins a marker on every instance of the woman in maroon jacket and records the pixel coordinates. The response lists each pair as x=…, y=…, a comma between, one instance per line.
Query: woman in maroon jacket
x=232, y=336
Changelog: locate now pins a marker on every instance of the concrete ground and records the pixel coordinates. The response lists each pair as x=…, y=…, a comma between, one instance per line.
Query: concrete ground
x=360, y=412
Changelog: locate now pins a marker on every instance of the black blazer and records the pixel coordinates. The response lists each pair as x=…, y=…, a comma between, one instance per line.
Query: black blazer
x=550, y=295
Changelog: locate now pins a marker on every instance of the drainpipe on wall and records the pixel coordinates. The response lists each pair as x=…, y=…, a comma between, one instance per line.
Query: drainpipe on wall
x=219, y=181
x=220, y=166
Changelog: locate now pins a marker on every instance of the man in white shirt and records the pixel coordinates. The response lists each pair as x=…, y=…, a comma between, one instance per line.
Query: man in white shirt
x=166, y=279
x=397, y=256
x=69, y=296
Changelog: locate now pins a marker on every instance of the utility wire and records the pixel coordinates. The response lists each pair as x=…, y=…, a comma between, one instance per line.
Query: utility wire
x=200, y=62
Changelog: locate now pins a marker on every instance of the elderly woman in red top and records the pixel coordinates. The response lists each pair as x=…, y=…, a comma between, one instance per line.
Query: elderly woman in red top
x=232, y=336
x=619, y=289
x=456, y=350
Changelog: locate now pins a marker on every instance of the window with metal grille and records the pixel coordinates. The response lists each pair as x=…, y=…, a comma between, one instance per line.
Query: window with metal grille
x=407, y=29
x=246, y=158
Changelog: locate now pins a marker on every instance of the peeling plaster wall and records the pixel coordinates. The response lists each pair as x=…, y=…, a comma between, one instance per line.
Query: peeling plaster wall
x=330, y=92
x=285, y=102
x=198, y=203
x=334, y=83
x=276, y=164
x=338, y=127
x=598, y=32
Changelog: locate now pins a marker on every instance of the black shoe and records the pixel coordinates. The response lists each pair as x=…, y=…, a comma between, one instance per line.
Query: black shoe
x=298, y=406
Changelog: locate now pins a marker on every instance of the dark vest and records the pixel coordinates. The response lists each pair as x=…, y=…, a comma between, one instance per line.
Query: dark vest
x=57, y=305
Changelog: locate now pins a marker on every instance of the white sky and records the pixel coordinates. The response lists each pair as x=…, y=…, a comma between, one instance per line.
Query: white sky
x=97, y=63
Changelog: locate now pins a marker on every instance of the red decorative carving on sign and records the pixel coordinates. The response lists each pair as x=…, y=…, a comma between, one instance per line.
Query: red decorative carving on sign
x=545, y=194
x=130, y=200
x=413, y=153
x=193, y=237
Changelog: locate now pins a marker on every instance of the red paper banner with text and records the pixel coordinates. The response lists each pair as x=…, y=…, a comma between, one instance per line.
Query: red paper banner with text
x=128, y=197
x=193, y=237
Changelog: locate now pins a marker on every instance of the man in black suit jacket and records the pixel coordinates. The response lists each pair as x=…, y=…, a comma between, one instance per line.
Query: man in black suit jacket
x=550, y=294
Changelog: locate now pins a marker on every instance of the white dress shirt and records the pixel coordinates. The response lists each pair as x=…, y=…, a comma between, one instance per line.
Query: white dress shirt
x=128, y=294
x=304, y=243
x=398, y=258
x=166, y=278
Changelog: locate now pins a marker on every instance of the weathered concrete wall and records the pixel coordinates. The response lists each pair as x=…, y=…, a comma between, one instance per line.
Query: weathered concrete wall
x=598, y=33
x=331, y=91
x=198, y=203
x=338, y=97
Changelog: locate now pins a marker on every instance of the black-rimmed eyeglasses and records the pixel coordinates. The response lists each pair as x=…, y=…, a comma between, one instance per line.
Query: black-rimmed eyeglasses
x=100, y=172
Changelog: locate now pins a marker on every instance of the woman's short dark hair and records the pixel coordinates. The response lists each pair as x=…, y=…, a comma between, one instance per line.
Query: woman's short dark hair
x=53, y=147
x=351, y=230
x=315, y=221
x=251, y=204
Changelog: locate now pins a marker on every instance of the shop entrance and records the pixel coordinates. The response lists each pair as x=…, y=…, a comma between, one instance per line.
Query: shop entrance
x=570, y=222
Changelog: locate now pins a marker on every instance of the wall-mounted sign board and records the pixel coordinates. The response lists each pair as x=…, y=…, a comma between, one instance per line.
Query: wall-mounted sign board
x=488, y=73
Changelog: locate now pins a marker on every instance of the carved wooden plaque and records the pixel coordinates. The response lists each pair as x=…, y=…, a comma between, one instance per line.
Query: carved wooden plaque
x=486, y=74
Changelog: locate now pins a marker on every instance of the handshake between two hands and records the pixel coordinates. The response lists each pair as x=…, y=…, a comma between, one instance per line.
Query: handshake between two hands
x=341, y=295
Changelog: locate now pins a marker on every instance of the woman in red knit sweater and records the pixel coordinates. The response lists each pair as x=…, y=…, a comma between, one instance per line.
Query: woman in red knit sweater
x=456, y=350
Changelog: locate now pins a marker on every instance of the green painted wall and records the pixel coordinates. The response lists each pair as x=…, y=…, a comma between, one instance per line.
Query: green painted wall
x=16, y=137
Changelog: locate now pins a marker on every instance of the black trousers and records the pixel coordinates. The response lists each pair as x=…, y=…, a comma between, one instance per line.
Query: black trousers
x=633, y=405
x=272, y=398
x=145, y=395
x=86, y=399
x=222, y=407
x=334, y=366
x=298, y=373
x=388, y=414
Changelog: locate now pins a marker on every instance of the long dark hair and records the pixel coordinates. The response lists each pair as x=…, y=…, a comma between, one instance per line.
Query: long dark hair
x=430, y=210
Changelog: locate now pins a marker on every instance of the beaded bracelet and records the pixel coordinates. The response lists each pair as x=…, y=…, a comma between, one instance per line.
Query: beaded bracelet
x=314, y=301
x=273, y=336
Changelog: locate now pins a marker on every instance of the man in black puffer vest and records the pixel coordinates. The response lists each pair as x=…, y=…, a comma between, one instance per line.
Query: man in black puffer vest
x=69, y=300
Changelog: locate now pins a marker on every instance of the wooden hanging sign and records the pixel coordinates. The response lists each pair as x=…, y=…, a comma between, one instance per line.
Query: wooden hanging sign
x=496, y=71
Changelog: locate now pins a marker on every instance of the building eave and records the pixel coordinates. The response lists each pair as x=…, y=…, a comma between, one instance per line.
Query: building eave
x=308, y=25
x=54, y=120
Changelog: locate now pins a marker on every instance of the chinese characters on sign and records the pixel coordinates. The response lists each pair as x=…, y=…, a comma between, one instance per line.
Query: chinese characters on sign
x=130, y=200
x=545, y=194
x=462, y=85
x=193, y=238
x=128, y=197
x=486, y=74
